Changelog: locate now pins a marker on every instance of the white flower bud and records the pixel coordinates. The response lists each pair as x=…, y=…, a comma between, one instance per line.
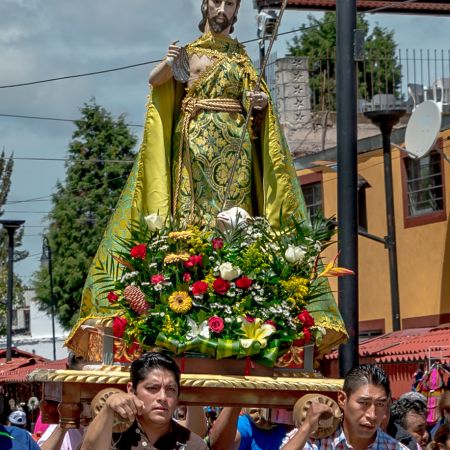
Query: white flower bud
x=294, y=254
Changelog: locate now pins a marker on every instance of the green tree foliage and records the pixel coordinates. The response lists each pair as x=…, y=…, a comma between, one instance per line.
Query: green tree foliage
x=379, y=73
x=6, y=168
x=82, y=206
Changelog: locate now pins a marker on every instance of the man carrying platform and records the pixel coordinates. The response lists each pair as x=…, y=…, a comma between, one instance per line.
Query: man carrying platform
x=364, y=402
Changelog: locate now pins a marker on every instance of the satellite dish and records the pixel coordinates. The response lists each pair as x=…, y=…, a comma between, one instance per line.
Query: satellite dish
x=423, y=129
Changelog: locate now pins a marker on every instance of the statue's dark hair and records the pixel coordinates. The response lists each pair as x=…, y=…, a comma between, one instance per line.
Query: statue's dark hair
x=366, y=374
x=204, y=9
x=149, y=361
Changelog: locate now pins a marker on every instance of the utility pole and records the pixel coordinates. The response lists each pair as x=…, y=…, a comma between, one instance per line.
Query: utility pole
x=10, y=226
x=346, y=88
x=46, y=259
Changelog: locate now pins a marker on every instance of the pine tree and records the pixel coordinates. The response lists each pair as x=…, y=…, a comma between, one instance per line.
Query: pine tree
x=6, y=168
x=83, y=204
x=379, y=73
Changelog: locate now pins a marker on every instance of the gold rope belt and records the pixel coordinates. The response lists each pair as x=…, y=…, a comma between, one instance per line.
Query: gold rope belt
x=191, y=106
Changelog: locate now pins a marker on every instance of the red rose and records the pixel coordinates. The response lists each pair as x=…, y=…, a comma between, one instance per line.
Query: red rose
x=244, y=282
x=193, y=261
x=158, y=278
x=216, y=324
x=217, y=243
x=249, y=319
x=298, y=343
x=307, y=335
x=112, y=297
x=199, y=288
x=221, y=286
x=186, y=277
x=306, y=319
x=139, y=251
x=119, y=325
x=271, y=322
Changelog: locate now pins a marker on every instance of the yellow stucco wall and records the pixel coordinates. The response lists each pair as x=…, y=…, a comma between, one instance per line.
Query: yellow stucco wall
x=423, y=252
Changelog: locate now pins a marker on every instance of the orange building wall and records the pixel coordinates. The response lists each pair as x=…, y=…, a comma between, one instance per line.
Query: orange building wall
x=423, y=252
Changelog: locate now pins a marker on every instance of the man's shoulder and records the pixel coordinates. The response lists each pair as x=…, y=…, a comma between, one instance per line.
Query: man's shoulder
x=186, y=436
x=385, y=441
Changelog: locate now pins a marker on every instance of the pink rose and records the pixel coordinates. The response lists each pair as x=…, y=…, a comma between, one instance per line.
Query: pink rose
x=158, y=278
x=139, y=251
x=119, y=325
x=199, y=288
x=243, y=282
x=217, y=243
x=216, y=324
x=194, y=260
x=112, y=297
x=221, y=286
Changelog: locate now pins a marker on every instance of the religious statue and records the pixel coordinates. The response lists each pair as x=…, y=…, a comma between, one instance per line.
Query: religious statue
x=200, y=156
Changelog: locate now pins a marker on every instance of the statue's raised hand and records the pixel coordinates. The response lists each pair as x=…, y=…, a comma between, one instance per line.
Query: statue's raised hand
x=172, y=53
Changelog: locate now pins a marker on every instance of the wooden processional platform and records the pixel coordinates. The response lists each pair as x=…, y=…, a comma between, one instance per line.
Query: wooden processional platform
x=67, y=394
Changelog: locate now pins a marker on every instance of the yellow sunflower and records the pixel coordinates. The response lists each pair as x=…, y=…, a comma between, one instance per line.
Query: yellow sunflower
x=180, y=302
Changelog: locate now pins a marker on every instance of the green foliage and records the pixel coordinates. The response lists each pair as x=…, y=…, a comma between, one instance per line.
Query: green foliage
x=380, y=72
x=83, y=204
x=6, y=168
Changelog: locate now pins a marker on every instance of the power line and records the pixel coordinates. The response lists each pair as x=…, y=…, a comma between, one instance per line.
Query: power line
x=98, y=72
x=83, y=161
x=21, y=116
x=46, y=198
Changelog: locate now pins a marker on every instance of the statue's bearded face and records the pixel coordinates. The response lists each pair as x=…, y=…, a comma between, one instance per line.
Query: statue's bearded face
x=221, y=14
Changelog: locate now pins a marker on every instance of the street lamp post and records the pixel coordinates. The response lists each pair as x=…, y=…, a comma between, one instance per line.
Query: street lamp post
x=385, y=119
x=46, y=259
x=10, y=226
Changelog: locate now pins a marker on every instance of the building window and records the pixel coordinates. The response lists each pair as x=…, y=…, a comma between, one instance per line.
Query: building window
x=313, y=193
x=424, y=193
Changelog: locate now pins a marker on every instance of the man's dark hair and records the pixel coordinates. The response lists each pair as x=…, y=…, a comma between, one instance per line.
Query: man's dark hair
x=400, y=408
x=442, y=435
x=366, y=374
x=202, y=24
x=149, y=361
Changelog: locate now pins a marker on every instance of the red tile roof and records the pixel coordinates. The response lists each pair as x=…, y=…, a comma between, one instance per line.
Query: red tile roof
x=407, y=345
x=22, y=363
x=395, y=6
x=18, y=373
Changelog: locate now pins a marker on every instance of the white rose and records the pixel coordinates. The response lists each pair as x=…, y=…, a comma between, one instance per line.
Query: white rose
x=294, y=254
x=228, y=272
x=154, y=222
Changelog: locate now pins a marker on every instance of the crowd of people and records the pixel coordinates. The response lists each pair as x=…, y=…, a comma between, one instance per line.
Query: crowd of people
x=370, y=419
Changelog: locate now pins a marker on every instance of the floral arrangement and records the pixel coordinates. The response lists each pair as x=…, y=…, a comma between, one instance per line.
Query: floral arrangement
x=234, y=291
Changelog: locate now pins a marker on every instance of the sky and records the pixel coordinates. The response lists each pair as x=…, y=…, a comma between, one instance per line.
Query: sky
x=43, y=39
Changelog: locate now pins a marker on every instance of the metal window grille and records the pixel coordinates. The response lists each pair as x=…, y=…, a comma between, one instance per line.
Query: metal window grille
x=425, y=189
x=313, y=198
